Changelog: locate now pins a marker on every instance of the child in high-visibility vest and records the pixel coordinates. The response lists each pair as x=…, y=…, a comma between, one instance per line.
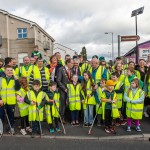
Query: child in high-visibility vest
x=135, y=102
x=52, y=107
x=89, y=99
x=36, y=99
x=118, y=88
x=23, y=107
x=99, y=91
x=74, y=97
x=109, y=106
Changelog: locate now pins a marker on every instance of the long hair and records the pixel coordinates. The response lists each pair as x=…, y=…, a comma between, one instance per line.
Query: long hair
x=84, y=81
x=24, y=83
x=136, y=81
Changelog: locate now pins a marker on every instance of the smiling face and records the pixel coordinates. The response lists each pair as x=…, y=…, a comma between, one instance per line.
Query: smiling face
x=9, y=72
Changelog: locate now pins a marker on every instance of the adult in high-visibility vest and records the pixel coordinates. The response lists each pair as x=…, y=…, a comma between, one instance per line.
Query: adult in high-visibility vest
x=135, y=102
x=97, y=71
x=8, y=87
x=26, y=69
x=74, y=99
x=23, y=107
x=52, y=107
x=109, y=106
x=9, y=62
x=40, y=73
x=36, y=99
x=59, y=59
x=15, y=67
x=89, y=99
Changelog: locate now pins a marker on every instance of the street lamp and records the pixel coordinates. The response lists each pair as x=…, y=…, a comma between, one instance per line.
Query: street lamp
x=134, y=14
x=112, y=44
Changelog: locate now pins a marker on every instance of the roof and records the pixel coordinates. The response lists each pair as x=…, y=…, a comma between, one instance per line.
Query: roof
x=27, y=21
x=134, y=49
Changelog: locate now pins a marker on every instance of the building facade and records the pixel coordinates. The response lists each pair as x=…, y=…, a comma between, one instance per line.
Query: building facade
x=63, y=50
x=143, y=51
x=18, y=36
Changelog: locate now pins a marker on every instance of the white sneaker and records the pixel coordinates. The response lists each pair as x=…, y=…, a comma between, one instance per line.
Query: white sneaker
x=23, y=132
x=146, y=115
x=29, y=129
x=12, y=131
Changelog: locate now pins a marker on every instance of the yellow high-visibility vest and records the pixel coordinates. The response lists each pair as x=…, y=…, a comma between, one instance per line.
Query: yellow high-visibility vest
x=91, y=100
x=7, y=91
x=23, y=107
x=74, y=96
x=33, y=114
x=135, y=111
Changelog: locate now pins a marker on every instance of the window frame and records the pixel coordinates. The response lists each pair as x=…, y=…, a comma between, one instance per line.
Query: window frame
x=22, y=33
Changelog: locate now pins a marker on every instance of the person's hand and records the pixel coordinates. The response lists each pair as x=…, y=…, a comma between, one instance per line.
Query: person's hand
x=109, y=101
x=82, y=101
x=51, y=100
x=66, y=90
x=33, y=103
x=1, y=103
x=88, y=95
x=96, y=86
x=114, y=102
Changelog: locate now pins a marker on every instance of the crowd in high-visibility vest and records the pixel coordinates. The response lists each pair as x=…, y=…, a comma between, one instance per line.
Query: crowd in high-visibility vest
x=73, y=91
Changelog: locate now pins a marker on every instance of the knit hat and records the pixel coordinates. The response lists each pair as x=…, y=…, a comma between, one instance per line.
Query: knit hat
x=110, y=83
x=101, y=58
x=44, y=61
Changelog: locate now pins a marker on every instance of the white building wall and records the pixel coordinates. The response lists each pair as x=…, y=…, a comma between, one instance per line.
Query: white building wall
x=63, y=50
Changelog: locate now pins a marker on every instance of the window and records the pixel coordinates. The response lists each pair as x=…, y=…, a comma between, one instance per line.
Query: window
x=22, y=33
x=20, y=57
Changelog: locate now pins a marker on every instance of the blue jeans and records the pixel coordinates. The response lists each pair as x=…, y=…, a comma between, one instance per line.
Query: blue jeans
x=35, y=127
x=88, y=114
x=74, y=115
x=10, y=111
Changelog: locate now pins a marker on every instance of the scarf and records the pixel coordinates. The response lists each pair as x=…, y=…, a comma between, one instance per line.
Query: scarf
x=52, y=66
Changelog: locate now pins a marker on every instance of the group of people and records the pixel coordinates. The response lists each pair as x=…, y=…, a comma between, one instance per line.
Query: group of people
x=73, y=90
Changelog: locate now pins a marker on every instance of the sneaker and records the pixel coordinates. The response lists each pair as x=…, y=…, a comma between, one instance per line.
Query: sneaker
x=23, y=132
x=73, y=123
x=117, y=124
x=123, y=123
x=85, y=125
x=112, y=130
x=89, y=124
x=12, y=131
x=28, y=129
x=98, y=124
x=107, y=130
x=128, y=129
x=77, y=124
x=138, y=129
x=57, y=129
x=51, y=131
x=146, y=115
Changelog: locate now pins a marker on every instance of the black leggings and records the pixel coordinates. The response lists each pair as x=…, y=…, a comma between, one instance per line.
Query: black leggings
x=108, y=118
x=23, y=121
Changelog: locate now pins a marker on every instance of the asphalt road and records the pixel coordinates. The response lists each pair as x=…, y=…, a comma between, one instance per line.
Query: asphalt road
x=14, y=143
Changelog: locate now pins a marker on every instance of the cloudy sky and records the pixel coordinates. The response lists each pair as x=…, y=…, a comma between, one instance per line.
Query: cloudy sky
x=78, y=23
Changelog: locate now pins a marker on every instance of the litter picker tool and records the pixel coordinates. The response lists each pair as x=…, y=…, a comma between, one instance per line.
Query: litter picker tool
x=60, y=118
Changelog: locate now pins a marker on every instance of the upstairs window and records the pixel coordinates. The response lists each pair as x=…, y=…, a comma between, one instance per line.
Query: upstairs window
x=22, y=33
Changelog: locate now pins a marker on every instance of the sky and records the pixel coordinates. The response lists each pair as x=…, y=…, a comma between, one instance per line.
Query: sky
x=81, y=23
